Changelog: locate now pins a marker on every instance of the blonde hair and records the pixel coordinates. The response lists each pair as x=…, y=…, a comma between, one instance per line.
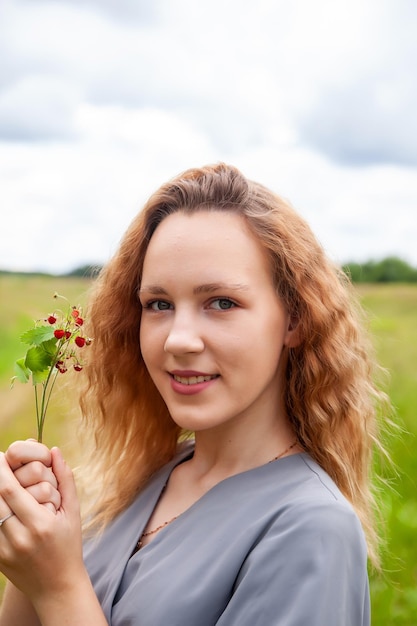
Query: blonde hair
x=331, y=397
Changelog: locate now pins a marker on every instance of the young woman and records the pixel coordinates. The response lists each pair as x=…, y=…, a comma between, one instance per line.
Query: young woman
x=232, y=414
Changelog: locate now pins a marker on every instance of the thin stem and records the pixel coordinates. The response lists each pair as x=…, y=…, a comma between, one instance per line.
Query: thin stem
x=46, y=396
x=38, y=417
x=47, y=390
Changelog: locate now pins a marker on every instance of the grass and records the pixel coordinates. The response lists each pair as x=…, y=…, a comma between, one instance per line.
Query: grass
x=392, y=310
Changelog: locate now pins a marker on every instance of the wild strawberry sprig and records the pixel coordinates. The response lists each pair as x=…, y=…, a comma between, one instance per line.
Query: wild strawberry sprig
x=55, y=344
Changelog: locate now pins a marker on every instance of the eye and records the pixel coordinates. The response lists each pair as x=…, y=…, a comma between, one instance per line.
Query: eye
x=158, y=305
x=222, y=304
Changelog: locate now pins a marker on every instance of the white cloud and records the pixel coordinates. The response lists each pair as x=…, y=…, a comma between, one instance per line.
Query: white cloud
x=124, y=10
x=37, y=107
x=365, y=94
x=98, y=109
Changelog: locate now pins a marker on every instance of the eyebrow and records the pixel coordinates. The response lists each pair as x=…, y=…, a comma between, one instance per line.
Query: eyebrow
x=157, y=290
x=210, y=287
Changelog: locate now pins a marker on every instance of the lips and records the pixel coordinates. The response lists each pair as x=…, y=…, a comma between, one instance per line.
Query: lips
x=194, y=379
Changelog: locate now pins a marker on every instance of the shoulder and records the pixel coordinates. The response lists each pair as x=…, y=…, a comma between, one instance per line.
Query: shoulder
x=308, y=562
x=313, y=511
x=303, y=481
x=309, y=476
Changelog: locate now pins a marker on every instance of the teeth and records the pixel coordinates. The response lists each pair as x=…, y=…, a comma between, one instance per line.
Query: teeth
x=193, y=380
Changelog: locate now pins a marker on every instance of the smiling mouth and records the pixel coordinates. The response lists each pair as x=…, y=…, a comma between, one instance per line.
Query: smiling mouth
x=193, y=380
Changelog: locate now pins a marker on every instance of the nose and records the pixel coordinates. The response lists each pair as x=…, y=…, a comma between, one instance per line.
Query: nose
x=184, y=335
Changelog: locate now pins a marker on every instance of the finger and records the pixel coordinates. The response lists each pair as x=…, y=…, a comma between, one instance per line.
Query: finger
x=66, y=483
x=4, y=516
x=51, y=507
x=35, y=472
x=44, y=493
x=9, y=524
x=16, y=497
x=21, y=452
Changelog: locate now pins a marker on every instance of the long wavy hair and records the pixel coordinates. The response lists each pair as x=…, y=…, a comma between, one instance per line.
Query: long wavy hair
x=331, y=396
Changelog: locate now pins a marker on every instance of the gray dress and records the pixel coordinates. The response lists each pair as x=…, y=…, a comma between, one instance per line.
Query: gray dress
x=278, y=545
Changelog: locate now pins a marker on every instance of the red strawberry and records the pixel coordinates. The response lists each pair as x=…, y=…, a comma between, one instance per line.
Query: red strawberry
x=75, y=313
x=52, y=319
x=79, y=321
x=59, y=333
x=80, y=341
x=78, y=367
x=67, y=334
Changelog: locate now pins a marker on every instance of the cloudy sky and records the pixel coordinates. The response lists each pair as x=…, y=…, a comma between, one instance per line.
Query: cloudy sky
x=101, y=101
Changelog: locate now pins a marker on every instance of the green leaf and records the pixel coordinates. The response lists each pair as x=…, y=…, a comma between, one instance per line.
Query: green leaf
x=38, y=359
x=40, y=377
x=38, y=335
x=50, y=346
x=21, y=371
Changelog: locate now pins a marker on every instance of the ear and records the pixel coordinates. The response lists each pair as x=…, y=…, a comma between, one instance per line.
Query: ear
x=293, y=335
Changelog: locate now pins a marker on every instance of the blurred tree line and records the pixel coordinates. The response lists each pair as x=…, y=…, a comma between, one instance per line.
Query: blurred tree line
x=388, y=270
x=86, y=271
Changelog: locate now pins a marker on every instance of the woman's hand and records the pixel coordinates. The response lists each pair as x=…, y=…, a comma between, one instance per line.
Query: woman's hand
x=31, y=463
x=40, y=549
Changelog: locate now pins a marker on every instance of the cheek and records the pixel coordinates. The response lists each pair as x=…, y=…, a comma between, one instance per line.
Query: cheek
x=152, y=339
x=269, y=343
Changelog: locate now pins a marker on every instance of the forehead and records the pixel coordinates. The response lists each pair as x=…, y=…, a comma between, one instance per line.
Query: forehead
x=205, y=240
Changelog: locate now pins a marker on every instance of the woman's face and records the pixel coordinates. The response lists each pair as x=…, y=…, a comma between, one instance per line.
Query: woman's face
x=213, y=328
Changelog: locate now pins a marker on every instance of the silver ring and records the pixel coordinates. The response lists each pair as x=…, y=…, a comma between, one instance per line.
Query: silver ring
x=4, y=519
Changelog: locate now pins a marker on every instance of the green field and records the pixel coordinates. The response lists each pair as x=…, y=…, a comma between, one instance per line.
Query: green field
x=393, y=317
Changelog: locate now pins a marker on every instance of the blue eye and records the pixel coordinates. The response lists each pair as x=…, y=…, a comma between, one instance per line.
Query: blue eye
x=222, y=304
x=159, y=305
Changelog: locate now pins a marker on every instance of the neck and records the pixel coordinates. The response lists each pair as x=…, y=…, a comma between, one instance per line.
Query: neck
x=226, y=455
